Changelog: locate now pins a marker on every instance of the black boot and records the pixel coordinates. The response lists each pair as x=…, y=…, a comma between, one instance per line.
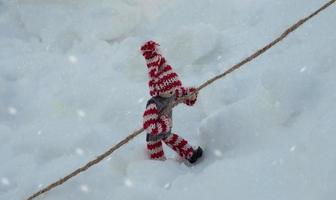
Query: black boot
x=196, y=155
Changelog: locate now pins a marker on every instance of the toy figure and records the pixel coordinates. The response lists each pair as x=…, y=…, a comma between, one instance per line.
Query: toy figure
x=165, y=88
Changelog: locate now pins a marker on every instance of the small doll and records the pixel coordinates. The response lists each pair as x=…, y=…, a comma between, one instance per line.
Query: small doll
x=165, y=88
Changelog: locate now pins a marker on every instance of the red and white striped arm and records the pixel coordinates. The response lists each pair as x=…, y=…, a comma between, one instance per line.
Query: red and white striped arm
x=181, y=91
x=152, y=123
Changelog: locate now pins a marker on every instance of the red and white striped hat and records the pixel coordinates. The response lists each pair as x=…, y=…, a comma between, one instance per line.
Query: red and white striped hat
x=162, y=78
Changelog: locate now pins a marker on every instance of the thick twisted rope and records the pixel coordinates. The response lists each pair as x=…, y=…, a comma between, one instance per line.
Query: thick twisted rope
x=210, y=81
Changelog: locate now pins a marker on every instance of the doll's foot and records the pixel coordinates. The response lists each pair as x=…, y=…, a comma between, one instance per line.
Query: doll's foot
x=196, y=155
x=162, y=158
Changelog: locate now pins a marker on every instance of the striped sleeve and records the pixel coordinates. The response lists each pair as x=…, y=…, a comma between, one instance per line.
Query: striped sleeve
x=181, y=91
x=152, y=123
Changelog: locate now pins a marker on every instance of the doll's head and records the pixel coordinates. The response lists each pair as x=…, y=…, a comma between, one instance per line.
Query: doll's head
x=168, y=93
x=163, y=81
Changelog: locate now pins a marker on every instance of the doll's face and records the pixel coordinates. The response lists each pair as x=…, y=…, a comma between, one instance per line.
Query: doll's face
x=168, y=93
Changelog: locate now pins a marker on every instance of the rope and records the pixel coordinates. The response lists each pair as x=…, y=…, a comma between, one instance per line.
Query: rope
x=210, y=81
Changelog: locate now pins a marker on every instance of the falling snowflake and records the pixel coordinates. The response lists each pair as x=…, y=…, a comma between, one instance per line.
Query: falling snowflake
x=167, y=186
x=292, y=148
x=5, y=181
x=81, y=113
x=12, y=110
x=80, y=151
x=303, y=69
x=73, y=59
x=128, y=182
x=218, y=153
x=84, y=188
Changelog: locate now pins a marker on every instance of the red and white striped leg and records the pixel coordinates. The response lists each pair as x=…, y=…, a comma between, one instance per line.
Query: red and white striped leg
x=179, y=145
x=155, y=150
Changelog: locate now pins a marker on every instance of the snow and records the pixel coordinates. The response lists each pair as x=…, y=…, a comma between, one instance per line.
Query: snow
x=73, y=83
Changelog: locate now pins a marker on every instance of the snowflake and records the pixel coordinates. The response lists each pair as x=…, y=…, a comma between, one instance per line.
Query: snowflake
x=167, y=186
x=12, y=110
x=292, y=148
x=84, y=188
x=218, y=153
x=81, y=113
x=73, y=59
x=128, y=182
x=79, y=151
x=5, y=181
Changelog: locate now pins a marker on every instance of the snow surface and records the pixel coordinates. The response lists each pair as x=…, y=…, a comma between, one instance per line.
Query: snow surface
x=73, y=83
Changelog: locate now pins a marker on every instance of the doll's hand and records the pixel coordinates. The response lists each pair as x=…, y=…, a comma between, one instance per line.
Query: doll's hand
x=194, y=94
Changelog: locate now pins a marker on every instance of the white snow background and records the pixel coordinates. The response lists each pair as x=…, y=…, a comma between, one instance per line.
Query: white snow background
x=73, y=83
